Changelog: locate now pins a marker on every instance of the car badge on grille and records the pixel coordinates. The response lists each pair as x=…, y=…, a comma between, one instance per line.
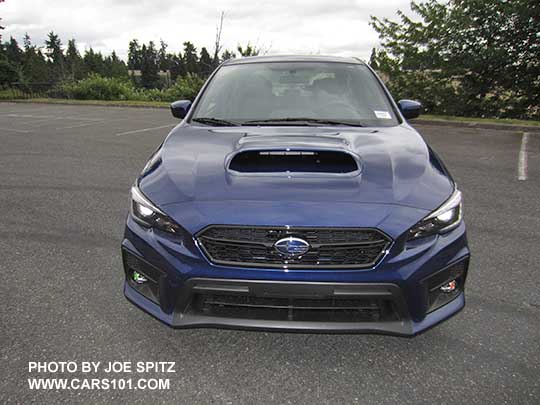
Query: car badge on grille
x=291, y=247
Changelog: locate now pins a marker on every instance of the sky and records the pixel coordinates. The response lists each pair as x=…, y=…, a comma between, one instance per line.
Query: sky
x=338, y=27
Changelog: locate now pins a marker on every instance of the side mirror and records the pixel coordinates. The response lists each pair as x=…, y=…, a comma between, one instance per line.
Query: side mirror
x=179, y=109
x=410, y=108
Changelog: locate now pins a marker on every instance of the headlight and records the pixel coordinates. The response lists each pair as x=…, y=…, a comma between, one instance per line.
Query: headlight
x=443, y=219
x=147, y=214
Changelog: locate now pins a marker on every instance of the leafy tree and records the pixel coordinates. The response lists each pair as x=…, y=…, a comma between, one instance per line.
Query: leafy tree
x=191, y=62
x=483, y=57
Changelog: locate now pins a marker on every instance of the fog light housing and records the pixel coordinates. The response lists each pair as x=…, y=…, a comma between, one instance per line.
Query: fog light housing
x=142, y=276
x=445, y=285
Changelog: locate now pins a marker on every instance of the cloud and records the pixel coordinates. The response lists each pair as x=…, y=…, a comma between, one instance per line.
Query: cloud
x=339, y=27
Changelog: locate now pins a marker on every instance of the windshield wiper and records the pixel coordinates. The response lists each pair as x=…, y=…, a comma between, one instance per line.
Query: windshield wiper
x=301, y=121
x=214, y=121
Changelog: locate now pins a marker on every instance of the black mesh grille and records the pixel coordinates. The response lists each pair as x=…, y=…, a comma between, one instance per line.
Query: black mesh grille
x=295, y=309
x=329, y=247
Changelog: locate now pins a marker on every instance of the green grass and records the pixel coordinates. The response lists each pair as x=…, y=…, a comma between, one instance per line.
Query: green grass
x=8, y=94
x=509, y=121
x=115, y=103
x=161, y=104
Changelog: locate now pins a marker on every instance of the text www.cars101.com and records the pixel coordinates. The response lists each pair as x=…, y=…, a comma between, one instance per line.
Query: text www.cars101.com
x=98, y=384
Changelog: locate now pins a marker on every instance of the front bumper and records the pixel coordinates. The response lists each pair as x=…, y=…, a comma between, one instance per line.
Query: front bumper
x=405, y=282
x=185, y=315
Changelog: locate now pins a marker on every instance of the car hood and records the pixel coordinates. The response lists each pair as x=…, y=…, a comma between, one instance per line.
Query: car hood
x=397, y=172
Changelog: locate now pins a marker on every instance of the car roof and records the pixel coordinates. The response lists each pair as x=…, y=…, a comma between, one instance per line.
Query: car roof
x=292, y=58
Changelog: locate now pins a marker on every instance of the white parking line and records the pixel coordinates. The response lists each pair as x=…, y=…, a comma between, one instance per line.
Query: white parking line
x=84, y=124
x=53, y=117
x=18, y=110
x=522, y=159
x=145, y=130
x=21, y=131
x=34, y=121
x=30, y=116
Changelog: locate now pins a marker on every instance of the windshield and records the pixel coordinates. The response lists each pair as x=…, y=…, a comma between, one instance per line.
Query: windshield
x=294, y=93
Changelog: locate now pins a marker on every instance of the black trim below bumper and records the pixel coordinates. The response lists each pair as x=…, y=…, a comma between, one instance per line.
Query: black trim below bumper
x=184, y=314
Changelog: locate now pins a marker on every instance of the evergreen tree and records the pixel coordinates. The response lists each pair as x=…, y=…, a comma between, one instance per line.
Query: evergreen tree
x=134, y=55
x=54, y=64
x=55, y=57
x=248, y=50
x=116, y=67
x=11, y=59
x=34, y=67
x=191, y=62
x=13, y=53
x=8, y=73
x=27, y=43
x=74, y=61
x=177, y=66
x=149, y=66
x=205, y=63
x=226, y=55
x=163, y=56
x=94, y=63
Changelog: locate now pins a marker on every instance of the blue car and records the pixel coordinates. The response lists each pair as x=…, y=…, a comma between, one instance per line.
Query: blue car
x=294, y=196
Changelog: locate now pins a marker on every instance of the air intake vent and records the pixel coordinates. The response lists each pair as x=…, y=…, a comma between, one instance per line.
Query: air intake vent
x=351, y=309
x=297, y=161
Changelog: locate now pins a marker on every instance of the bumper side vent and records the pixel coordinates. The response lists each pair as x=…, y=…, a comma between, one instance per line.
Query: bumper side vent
x=133, y=264
x=456, y=272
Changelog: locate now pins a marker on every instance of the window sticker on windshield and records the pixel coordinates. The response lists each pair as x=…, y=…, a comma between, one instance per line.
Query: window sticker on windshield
x=385, y=115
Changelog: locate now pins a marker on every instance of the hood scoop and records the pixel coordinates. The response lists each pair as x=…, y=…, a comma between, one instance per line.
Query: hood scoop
x=293, y=162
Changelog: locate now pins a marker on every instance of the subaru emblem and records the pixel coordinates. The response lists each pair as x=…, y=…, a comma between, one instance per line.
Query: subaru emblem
x=291, y=247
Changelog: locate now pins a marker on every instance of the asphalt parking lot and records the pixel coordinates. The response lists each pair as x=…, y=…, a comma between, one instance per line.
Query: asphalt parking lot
x=64, y=181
